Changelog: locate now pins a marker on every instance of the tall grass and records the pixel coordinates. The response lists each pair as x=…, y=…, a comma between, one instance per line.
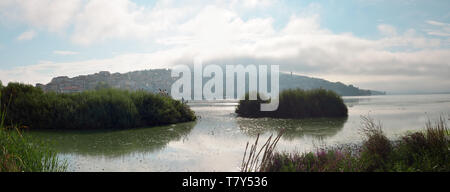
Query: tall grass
x=321, y=160
x=426, y=151
x=297, y=103
x=376, y=147
x=253, y=162
x=19, y=153
x=98, y=109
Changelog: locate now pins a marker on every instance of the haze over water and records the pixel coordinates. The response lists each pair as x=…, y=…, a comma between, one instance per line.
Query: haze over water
x=216, y=142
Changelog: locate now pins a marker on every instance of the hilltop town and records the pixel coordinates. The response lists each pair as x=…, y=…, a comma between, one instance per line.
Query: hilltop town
x=148, y=80
x=160, y=79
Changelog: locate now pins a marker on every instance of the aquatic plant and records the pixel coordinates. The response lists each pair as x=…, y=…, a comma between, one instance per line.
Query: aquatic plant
x=297, y=103
x=253, y=162
x=20, y=153
x=97, y=109
x=376, y=147
x=322, y=160
x=427, y=150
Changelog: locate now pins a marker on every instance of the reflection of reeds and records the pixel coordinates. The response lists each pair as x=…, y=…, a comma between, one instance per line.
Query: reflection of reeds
x=254, y=162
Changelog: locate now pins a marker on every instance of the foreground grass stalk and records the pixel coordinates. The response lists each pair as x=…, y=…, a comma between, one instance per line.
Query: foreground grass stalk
x=253, y=162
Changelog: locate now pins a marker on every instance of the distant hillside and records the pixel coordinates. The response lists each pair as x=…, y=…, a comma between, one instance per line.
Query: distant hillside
x=149, y=80
x=153, y=80
x=288, y=81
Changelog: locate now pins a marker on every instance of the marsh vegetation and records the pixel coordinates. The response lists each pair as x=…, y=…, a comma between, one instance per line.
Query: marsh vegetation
x=21, y=153
x=422, y=151
x=97, y=109
x=297, y=103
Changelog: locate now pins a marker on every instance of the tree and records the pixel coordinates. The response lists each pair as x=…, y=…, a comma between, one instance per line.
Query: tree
x=102, y=85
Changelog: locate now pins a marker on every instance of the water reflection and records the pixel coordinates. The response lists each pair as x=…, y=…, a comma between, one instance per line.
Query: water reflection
x=295, y=128
x=115, y=143
x=217, y=142
x=353, y=101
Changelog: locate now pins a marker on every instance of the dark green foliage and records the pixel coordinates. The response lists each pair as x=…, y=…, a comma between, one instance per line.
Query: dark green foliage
x=329, y=160
x=102, y=85
x=99, y=109
x=251, y=108
x=424, y=151
x=376, y=147
x=158, y=110
x=297, y=103
x=20, y=153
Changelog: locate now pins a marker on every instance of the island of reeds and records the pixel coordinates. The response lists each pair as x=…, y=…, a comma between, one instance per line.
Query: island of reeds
x=97, y=109
x=297, y=103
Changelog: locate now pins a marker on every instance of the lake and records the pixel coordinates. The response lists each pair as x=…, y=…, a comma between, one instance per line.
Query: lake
x=217, y=140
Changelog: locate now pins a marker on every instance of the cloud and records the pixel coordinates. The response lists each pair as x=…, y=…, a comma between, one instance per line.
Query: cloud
x=102, y=20
x=57, y=52
x=254, y=3
x=436, y=23
x=387, y=30
x=27, y=35
x=440, y=29
x=399, y=60
x=410, y=39
x=52, y=15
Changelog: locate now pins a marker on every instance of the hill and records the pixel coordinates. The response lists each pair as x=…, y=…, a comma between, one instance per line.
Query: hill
x=153, y=80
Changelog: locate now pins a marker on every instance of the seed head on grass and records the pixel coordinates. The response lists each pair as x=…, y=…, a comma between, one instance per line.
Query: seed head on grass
x=253, y=162
x=376, y=146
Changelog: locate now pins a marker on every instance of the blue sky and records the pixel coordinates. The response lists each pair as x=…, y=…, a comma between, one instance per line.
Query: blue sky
x=362, y=42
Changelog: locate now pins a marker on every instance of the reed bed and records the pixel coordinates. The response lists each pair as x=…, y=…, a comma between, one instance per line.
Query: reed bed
x=423, y=151
x=20, y=153
x=297, y=104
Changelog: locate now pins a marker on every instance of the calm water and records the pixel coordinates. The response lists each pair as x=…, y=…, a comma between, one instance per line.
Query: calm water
x=216, y=142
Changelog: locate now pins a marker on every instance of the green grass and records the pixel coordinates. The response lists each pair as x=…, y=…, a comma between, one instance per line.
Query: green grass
x=297, y=103
x=423, y=151
x=98, y=109
x=20, y=153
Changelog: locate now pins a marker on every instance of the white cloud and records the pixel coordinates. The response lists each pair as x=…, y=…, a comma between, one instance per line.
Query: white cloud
x=436, y=23
x=58, y=52
x=53, y=15
x=220, y=34
x=27, y=35
x=122, y=19
x=387, y=30
x=411, y=40
x=440, y=29
x=254, y=3
x=439, y=33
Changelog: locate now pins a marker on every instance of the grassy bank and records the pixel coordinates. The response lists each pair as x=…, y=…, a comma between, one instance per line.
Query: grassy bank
x=426, y=151
x=19, y=153
x=297, y=103
x=100, y=109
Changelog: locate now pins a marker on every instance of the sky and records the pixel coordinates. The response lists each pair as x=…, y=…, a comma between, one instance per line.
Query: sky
x=390, y=45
